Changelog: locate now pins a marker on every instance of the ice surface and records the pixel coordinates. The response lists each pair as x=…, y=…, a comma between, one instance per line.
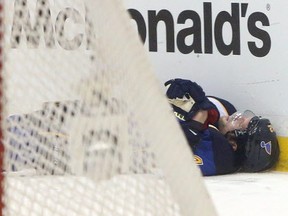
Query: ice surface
x=123, y=195
x=242, y=194
x=249, y=194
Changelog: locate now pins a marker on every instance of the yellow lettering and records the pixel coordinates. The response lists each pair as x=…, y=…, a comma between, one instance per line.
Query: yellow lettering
x=179, y=116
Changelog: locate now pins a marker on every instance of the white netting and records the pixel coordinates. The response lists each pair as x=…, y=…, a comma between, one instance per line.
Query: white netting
x=88, y=130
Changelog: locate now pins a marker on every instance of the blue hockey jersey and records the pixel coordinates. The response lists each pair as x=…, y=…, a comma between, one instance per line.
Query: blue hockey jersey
x=212, y=152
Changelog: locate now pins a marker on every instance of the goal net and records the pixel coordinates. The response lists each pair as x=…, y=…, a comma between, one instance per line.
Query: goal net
x=86, y=127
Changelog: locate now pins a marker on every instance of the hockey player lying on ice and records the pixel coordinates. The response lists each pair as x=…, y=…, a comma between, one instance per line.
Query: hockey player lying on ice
x=223, y=141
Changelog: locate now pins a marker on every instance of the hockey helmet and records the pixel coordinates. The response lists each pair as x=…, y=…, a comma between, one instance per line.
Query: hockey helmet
x=261, y=145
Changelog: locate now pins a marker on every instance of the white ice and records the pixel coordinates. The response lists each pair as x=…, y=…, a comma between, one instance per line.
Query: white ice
x=242, y=194
x=249, y=194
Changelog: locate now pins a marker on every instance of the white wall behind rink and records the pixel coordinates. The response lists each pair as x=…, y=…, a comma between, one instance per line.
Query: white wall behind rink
x=249, y=82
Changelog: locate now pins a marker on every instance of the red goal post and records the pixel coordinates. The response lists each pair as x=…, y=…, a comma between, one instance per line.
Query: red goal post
x=1, y=105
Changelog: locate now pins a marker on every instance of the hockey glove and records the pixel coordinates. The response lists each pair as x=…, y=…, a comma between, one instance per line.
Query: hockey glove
x=187, y=98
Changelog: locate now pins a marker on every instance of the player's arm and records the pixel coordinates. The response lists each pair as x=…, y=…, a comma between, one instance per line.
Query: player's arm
x=193, y=128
